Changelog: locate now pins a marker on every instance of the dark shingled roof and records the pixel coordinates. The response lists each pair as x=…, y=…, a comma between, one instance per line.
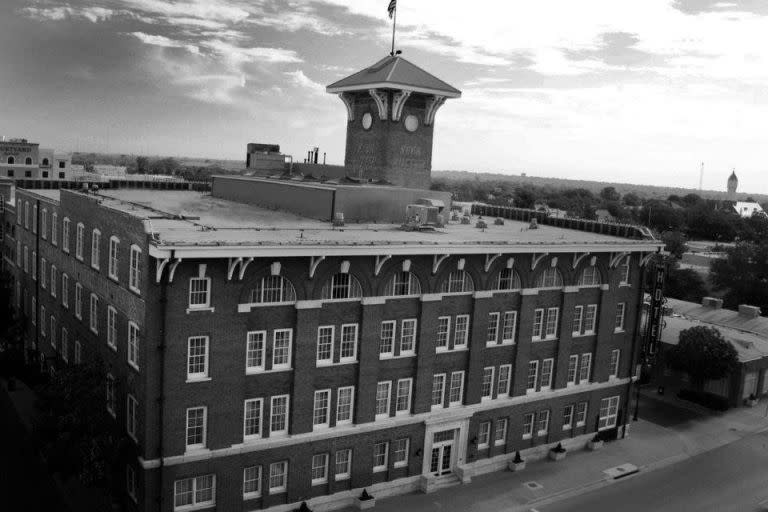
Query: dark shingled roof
x=394, y=73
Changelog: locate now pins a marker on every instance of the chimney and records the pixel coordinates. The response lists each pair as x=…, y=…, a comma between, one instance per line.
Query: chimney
x=749, y=312
x=712, y=302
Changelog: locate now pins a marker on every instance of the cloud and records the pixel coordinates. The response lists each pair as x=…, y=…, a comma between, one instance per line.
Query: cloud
x=299, y=79
x=216, y=10
x=238, y=54
x=59, y=13
x=165, y=42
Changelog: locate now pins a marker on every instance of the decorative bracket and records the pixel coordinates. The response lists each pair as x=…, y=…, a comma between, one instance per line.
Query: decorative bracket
x=489, y=259
x=577, y=258
x=382, y=102
x=645, y=259
x=243, y=265
x=616, y=258
x=314, y=261
x=433, y=104
x=172, y=269
x=537, y=259
x=348, y=100
x=398, y=102
x=159, y=270
x=233, y=263
x=437, y=259
x=380, y=260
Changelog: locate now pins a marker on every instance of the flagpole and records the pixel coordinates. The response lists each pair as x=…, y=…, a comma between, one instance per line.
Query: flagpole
x=394, y=24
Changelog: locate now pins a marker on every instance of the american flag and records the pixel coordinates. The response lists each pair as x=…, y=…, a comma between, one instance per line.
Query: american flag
x=392, y=7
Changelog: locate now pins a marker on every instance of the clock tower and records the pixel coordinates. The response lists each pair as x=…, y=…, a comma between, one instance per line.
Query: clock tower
x=391, y=109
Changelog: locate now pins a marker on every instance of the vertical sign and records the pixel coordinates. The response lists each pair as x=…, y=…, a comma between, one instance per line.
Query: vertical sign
x=655, y=312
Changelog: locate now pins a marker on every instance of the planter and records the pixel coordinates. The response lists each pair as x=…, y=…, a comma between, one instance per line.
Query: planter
x=594, y=445
x=365, y=504
x=516, y=466
x=555, y=455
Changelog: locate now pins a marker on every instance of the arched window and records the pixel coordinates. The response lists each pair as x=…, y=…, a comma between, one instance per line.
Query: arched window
x=273, y=289
x=550, y=278
x=624, y=271
x=28, y=160
x=508, y=280
x=11, y=160
x=342, y=286
x=590, y=276
x=45, y=162
x=403, y=283
x=458, y=281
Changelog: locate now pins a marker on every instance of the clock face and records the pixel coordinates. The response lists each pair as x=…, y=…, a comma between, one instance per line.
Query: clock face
x=411, y=123
x=367, y=121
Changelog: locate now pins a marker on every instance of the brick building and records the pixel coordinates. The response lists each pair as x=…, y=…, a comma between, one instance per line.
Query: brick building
x=21, y=159
x=259, y=356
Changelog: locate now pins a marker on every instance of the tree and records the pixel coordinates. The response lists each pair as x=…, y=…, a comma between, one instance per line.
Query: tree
x=684, y=284
x=142, y=164
x=610, y=194
x=703, y=354
x=661, y=216
x=743, y=273
x=675, y=243
x=631, y=199
x=525, y=196
x=708, y=224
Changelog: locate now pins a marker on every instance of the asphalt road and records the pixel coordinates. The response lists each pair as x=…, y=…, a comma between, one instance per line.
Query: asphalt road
x=731, y=478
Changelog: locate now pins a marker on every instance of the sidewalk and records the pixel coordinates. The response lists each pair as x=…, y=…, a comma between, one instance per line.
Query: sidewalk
x=649, y=446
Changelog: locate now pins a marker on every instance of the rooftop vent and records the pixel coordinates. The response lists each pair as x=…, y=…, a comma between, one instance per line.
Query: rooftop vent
x=712, y=302
x=534, y=224
x=749, y=312
x=420, y=217
x=338, y=219
x=745, y=344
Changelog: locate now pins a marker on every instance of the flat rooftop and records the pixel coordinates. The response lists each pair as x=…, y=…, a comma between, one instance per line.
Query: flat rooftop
x=748, y=345
x=190, y=218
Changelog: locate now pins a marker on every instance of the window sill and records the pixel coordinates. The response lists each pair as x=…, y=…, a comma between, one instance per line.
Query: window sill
x=134, y=366
x=262, y=372
x=321, y=481
x=196, y=450
x=251, y=496
x=527, y=436
x=339, y=478
x=113, y=347
x=619, y=331
x=194, y=507
x=208, y=309
x=113, y=278
x=499, y=443
x=379, y=469
x=198, y=379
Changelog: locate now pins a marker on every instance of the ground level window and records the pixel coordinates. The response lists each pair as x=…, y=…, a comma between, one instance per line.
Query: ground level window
x=194, y=492
x=608, y=412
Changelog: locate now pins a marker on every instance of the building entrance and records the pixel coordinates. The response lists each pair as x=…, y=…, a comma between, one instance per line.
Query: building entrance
x=441, y=462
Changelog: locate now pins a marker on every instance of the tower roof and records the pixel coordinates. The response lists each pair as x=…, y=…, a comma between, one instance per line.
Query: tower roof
x=733, y=176
x=394, y=72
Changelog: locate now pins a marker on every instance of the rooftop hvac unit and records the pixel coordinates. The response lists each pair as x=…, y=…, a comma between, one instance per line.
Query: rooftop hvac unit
x=419, y=217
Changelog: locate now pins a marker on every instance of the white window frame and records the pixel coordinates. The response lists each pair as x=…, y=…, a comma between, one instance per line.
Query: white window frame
x=319, y=463
x=112, y=327
x=501, y=427
x=451, y=388
x=483, y=435
x=34, y=265
x=346, y=461
x=194, y=491
x=550, y=327
x=503, y=385
x=253, y=338
x=443, y=337
x=44, y=224
x=613, y=365
x=323, y=333
x=43, y=270
x=133, y=345
x=54, y=228
x=581, y=413
x=272, y=415
x=509, y=328
x=609, y=409
x=65, y=290
x=79, y=301
x=532, y=378
x=112, y=255
x=624, y=271
x=201, y=445
x=259, y=418
x=95, y=249
x=441, y=378
x=377, y=468
x=380, y=399
x=54, y=280
x=131, y=410
x=93, y=313
x=65, y=235
x=201, y=375
x=578, y=320
x=590, y=320
x=249, y=479
x=573, y=370
x=620, y=319
x=542, y=416
x=528, y=421
x=347, y=341
x=321, y=409
x=408, y=340
x=492, y=334
x=461, y=335
x=486, y=384
x=79, y=240
x=401, y=446
x=344, y=417
x=278, y=470
x=387, y=334
x=134, y=269
x=193, y=292
x=568, y=415
x=403, y=397
x=538, y=324
x=286, y=365
x=547, y=372
x=585, y=368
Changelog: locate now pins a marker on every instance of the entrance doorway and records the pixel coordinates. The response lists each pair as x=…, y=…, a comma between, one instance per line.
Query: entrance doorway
x=441, y=462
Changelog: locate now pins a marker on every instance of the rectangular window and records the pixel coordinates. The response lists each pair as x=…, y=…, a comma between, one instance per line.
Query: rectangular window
x=78, y=352
x=79, y=301
x=53, y=332
x=130, y=482
x=114, y=245
x=54, y=280
x=618, y=325
x=131, y=415
x=408, y=337
x=95, y=248
x=492, y=335
x=486, y=387
x=252, y=414
x=343, y=464
x=505, y=373
x=254, y=351
x=133, y=345
x=134, y=271
x=438, y=390
x=533, y=376
x=196, y=492
x=93, y=319
x=624, y=271
x=43, y=276
x=320, y=469
x=278, y=477
x=609, y=408
x=581, y=414
x=54, y=228
x=111, y=395
x=65, y=344
x=251, y=482
x=387, y=339
x=348, y=349
x=344, y=405
x=568, y=417
x=528, y=426
x=65, y=235
x=380, y=456
x=42, y=320
x=578, y=315
x=403, y=397
x=551, y=328
x=325, y=345
x=196, y=423
x=26, y=259
x=462, y=331
x=400, y=452
x=65, y=290
x=321, y=409
x=383, y=393
x=546, y=373
x=199, y=292
x=542, y=423
x=278, y=424
x=456, y=389
x=34, y=310
x=79, y=241
x=34, y=265
x=44, y=224
x=508, y=327
x=500, y=434
x=538, y=324
x=483, y=435
x=112, y=327
x=573, y=368
x=281, y=349
x=197, y=358
x=586, y=368
x=443, y=333
x=590, y=319
x=613, y=367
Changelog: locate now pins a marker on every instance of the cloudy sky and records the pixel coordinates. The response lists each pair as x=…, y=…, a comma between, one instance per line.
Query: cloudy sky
x=622, y=90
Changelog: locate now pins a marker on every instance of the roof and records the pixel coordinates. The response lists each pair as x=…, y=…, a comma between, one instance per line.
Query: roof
x=207, y=226
x=394, y=73
x=749, y=346
x=720, y=317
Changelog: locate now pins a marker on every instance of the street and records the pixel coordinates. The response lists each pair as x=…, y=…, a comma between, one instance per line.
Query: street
x=731, y=478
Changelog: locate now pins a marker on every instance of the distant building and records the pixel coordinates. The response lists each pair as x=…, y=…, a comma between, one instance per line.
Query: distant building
x=21, y=159
x=748, y=209
x=733, y=183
